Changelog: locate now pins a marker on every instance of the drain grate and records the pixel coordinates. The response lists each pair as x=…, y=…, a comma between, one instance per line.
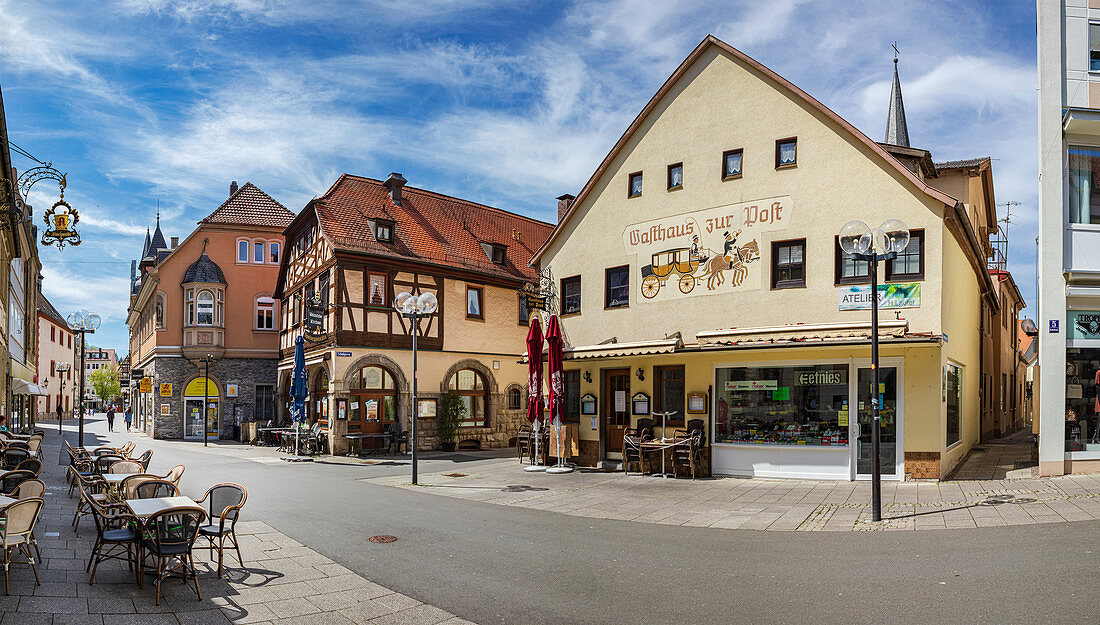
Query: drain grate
x=455, y=475
x=382, y=539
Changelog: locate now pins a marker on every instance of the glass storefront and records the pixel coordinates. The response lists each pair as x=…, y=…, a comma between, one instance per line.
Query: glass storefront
x=1082, y=401
x=794, y=405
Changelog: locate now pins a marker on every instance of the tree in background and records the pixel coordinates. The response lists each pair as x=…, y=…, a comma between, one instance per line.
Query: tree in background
x=105, y=383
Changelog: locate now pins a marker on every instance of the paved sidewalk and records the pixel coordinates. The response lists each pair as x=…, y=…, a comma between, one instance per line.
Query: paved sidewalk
x=282, y=581
x=1014, y=456
x=767, y=504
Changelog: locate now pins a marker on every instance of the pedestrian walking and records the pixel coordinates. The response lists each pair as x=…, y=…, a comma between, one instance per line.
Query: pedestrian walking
x=60, y=413
x=129, y=417
x=110, y=418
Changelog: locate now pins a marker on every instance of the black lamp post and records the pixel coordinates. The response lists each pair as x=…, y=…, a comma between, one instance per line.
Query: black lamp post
x=81, y=323
x=414, y=307
x=872, y=246
x=62, y=369
x=205, y=395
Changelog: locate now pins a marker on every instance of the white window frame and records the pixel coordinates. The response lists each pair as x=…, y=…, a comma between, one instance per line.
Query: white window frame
x=247, y=252
x=266, y=304
x=200, y=305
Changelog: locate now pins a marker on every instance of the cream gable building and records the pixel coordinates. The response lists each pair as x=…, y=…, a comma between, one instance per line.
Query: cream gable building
x=758, y=326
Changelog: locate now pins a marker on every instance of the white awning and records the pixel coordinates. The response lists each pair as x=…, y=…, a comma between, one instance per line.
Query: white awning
x=802, y=332
x=23, y=387
x=614, y=350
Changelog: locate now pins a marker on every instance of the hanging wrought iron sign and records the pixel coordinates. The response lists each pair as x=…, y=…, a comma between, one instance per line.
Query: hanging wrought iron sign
x=315, y=320
x=61, y=222
x=541, y=296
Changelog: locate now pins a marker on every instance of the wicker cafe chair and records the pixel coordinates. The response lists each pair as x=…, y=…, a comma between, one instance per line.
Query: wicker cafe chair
x=225, y=503
x=34, y=465
x=645, y=428
x=11, y=480
x=174, y=475
x=19, y=520
x=156, y=487
x=104, y=451
x=29, y=490
x=169, y=539
x=103, y=463
x=144, y=459
x=127, y=448
x=13, y=456
x=683, y=456
x=79, y=464
x=129, y=485
x=126, y=466
x=34, y=445
x=632, y=450
x=116, y=537
x=92, y=488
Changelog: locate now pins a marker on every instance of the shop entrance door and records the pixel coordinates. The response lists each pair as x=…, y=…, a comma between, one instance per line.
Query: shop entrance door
x=890, y=423
x=192, y=418
x=616, y=418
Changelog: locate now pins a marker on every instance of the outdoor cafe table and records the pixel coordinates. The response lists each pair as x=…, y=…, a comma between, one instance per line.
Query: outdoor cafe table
x=114, y=483
x=145, y=508
x=6, y=501
x=374, y=442
x=661, y=445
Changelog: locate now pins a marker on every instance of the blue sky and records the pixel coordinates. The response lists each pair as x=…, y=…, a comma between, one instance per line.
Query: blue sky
x=510, y=104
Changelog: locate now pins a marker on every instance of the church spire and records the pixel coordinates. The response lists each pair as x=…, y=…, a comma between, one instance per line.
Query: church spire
x=145, y=250
x=896, y=131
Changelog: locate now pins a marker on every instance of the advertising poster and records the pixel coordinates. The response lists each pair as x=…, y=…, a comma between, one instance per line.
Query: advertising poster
x=900, y=295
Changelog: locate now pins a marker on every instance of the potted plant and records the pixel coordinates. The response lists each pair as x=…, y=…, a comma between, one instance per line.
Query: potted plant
x=451, y=412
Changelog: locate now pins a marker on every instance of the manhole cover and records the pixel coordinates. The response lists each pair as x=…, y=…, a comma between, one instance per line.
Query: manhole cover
x=382, y=539
x=455, y=474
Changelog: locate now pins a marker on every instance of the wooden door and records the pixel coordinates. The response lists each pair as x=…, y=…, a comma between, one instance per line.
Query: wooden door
x=616, y=403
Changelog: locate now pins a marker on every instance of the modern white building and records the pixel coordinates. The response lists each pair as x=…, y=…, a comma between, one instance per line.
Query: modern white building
x=1069, y=228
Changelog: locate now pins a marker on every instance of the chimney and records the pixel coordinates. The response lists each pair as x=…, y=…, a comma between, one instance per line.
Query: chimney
x=175, y=242
x=39, y=283
x=232, y=187
x=393, y=184
x=564, y=202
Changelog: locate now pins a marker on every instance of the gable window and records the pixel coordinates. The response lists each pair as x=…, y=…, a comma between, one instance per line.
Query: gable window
x=273, y=252
x=571, y=295
x=383, y=231
x=786, y=152
x=265, y=313
x=617, y=287
x=474, y=309
x=1094, y=47
x=675, y=176
x=909, y=264
x=205, y=315
x=788, y=264
x=242, y=251
x=524, y=313
x=634, y=184
x=258, y=252
x=731, y=164
x=849, y=270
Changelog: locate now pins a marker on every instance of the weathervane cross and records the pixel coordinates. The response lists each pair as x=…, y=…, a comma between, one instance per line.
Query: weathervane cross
x=895, y=47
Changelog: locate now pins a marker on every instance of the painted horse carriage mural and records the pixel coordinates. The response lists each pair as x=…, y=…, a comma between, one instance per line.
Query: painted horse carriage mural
x=691, y=267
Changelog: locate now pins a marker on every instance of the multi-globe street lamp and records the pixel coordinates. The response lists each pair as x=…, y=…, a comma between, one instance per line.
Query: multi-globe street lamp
x=414, y=307
x=62, y=368
x=873, y=245
x=82, y=322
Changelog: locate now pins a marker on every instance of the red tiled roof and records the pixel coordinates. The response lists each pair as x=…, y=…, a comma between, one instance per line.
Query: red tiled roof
x=250, y=206
x=429, y=227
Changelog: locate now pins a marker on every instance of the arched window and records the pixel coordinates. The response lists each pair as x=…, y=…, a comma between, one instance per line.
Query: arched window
x=372, y=401
x=471, y=387
x=319, y=398
x=205, y=315
x=515, y=399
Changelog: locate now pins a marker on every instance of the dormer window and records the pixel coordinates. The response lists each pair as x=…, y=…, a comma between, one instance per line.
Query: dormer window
x=383, y=231
x=498, y=254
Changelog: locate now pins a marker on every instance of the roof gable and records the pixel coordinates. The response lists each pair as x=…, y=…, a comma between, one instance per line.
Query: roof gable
x=682, y=73
x=249, y=206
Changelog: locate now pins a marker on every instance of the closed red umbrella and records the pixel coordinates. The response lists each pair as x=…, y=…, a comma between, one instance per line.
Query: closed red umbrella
x=557, y=388
x=534, y=388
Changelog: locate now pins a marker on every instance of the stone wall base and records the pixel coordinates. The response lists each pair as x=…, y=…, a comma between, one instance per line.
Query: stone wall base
x=922, y=465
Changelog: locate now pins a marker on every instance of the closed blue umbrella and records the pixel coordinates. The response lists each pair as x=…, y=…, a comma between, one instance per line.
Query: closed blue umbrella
x=299, y=390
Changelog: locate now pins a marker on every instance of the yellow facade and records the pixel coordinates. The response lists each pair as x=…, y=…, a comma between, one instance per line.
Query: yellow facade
x=718, y=101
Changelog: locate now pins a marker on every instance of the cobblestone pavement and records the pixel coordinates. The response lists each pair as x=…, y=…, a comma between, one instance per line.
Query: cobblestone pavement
x=767, y=504
x=282, y=581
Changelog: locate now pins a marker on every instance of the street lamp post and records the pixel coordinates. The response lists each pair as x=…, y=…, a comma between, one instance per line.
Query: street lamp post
x=872, y=246
x=414, y=307
x=62, y=369
x=206, y=395
x=82, y=322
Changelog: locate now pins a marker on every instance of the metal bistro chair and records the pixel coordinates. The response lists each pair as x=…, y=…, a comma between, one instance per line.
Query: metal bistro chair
x=92, y=488
x=10, y=480
x=20, y=518
x=683, y=456
x=80, y=464
x=225, y=503
x=12, y=456
x=34, y=465
x=169, y=539
x=632, y=447
x=116, y=537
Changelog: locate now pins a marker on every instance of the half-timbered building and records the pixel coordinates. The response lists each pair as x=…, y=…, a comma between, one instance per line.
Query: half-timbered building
x=354, y=249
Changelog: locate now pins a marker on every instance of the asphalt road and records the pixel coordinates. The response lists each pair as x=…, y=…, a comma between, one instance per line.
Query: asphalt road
x=497, y=564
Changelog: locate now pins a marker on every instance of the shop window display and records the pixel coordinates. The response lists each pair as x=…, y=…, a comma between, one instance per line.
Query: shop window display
x=797, y=405
x=1082, y=399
